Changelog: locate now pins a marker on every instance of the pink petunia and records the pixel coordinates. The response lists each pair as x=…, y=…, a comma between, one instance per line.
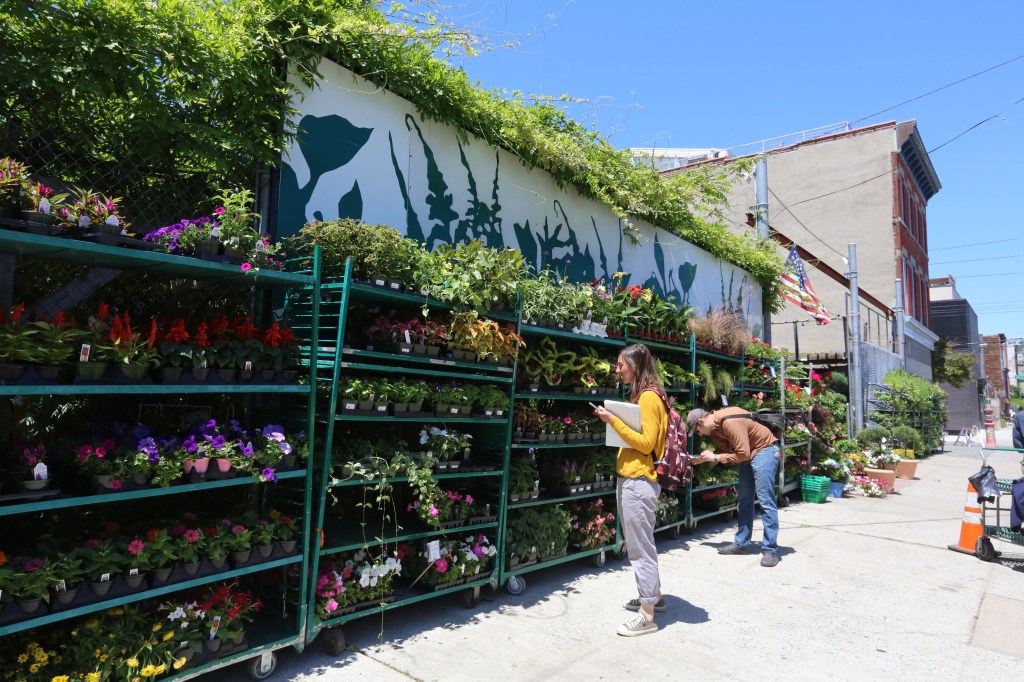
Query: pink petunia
x=331, y=605
x=219, y=210
x=441, y=565
x=246, y=267
x=115, y=484
x=434, y=510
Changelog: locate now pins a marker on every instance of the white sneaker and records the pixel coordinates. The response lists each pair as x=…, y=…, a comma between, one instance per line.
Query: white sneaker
x=638, y=626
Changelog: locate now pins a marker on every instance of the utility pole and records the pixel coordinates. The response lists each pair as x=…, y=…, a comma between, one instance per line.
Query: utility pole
x=761, y=216
x=901, y=339
x=856, y=378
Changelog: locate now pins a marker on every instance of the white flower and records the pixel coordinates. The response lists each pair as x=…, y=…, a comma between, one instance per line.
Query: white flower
x=364, y=580
x=176, y=614
x=83, y=221
x=373, y=581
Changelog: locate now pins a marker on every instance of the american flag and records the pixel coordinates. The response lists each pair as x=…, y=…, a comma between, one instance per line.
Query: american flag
x=795, y=287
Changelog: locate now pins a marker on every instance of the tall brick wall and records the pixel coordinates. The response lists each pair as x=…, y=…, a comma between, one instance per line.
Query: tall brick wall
x=994, y=352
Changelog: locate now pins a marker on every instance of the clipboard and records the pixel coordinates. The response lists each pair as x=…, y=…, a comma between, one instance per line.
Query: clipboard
x=630, y=416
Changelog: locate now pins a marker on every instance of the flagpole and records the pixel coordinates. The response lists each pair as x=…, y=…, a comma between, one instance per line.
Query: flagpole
x=855, y=379
x=761, y=216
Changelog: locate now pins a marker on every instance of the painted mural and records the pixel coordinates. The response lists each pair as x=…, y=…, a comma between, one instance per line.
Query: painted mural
x=364, y=153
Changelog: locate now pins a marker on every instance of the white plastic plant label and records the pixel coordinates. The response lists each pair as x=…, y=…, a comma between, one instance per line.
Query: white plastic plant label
x=382, y=408
x=725, y=401
x=39, y=472
x=133, y=571
x=433, y=551
x=105, y=578
x=214, y=627
x=61, y=586
x=248, y=365
x=772, y=370
x=408, y=339
x=349, y=406
x=83, y=354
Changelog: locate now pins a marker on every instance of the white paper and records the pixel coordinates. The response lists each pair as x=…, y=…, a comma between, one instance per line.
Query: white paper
x=725, y=401
x=433, y=551
x=772, y=369
x=630, y=416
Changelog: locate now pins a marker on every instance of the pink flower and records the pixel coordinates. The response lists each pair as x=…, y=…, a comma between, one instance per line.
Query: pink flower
x=434, y=510
x=135, y=546
x=568, y=420
x=237, y=528
x=192, y=535
x=469, y=499
x=92, y=543
x=115, y=484
x=331, y=605
x=441, y=565
x=219, y=210
x=246, y=267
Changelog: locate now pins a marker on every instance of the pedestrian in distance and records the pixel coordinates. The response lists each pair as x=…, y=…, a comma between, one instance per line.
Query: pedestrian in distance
x=637, y=489
x=740, y=440
x=1018, y=430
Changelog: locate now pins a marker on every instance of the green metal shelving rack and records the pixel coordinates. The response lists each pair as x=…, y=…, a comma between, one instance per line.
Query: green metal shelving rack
x=264, y=637
x=333, y=357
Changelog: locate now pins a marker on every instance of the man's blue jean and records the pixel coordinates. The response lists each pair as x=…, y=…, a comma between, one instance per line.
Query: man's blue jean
x=757, y=477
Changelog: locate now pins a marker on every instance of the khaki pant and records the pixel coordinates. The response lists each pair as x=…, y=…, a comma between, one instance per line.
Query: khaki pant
x=636, y=500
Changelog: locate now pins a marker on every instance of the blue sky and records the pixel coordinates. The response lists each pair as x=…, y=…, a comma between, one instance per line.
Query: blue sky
x=718, y=74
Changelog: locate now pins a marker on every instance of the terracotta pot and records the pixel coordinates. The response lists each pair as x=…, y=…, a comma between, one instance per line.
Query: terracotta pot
x=884, y=475
x=223, y=464
x=199, y=465
x=906, y=469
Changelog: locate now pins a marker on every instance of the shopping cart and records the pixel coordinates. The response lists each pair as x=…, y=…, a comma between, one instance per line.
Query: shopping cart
x=1000, y=508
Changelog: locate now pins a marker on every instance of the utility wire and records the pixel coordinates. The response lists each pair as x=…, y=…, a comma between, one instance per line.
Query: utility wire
x=785, y=209
x=948, y=85
x=964, y=246
x=974, y=260
x=994, y=274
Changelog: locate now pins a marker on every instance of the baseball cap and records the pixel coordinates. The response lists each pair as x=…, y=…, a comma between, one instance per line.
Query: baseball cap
x=692, y=418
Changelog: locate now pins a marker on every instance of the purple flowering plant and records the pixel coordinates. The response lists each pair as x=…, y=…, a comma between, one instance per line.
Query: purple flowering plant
x=182, y=237
x=28, y=577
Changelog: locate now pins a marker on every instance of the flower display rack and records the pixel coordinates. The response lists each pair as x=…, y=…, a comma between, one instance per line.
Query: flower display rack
x=349, y=359
x=283, y=565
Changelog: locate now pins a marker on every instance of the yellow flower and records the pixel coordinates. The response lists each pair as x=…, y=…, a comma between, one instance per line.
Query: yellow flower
x=34, y=668
x=92, y=677
x=168, y=635
x=74, y=633
x=60, y=678
x=92, y=623
x=156, y=628
x=178, y=663
x=132, y=663
x=148, y=671
x=117, y=611
x=23, y=658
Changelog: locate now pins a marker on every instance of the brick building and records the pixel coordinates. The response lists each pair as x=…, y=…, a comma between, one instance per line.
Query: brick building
x=994, y=349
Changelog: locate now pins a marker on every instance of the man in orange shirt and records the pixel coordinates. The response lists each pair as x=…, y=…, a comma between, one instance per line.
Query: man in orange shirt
x=738, y=439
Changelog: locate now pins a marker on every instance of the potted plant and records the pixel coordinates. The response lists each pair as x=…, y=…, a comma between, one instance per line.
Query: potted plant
x=17, y=343
x=92, y=211
x=285, y=527
x=41, y=203
x=132, y=352
x=492, y=401
x=29, y=580
x=68, y=572
x=237, y=541
x=100, y=460
x=56, y=342
x=215, y=542
x=13, y=178
x=185, y=237
x=34, y=474
x=236, y=224
x=103, y=561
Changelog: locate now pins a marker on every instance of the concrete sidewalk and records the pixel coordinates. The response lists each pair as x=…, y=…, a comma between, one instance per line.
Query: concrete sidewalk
x=866, y=589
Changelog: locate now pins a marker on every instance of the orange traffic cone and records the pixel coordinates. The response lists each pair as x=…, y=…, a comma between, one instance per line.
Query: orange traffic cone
x=971, y=528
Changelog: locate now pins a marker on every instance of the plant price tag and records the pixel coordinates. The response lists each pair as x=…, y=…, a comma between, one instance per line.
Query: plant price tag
x=215, y=627
x=725, y=401
x=60, y=587
x=83, y=355
x=248, y=365
x=349, y=406
x=433, y=551
x=382, y=408
x=105, y=578
x=408, y=339
x=39, y=472
x=772, y=370
x=133, y=571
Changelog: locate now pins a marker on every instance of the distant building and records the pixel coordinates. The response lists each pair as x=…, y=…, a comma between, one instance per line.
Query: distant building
x=953, y=318
x=870, y=186
x=994, y=348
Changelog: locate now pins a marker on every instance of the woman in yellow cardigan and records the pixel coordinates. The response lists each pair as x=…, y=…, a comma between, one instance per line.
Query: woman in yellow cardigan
x=637, y=490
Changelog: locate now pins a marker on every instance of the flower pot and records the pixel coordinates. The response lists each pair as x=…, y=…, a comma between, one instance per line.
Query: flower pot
x=223, y=464
x=268, y=375
x=890, y=466
x=190, y=568
x=91, y=371
x=241, y=557
x=105, y=481
x=264, y=551
x=465, y=410
x=287, y=546
x=11, y=372
x=906, y=469
x=37, y=217
x=401, y=408
x=365, y=405
x=100, y=588
x=29, y=606
x=416, y=407
x=135, y=581
x=200, y=374
x=140, y=479
x=67, y=596
x=226, y=375
x=288, y=461
x=48, y=372
x=835, y=489
x=245, y=376
x=886, y=476
x=213, y=645
x=198, y=465
x=32, y=484
x=163, y=573
x=218, y=563
x=209, y=249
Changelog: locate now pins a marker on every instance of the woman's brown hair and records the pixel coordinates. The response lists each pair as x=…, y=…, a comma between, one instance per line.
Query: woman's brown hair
x=640, y=359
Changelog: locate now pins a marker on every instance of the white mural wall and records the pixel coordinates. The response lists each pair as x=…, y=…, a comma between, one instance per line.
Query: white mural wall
x=365, y=153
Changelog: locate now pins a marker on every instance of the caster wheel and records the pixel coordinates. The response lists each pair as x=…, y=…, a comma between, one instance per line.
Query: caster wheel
x=984, y=550
x=674, y=532
x=515, y=585
x=598, y=559
x=471, y=597
x=623, y=554
x=334, y=641
x=783, y=502
x=262, y=667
